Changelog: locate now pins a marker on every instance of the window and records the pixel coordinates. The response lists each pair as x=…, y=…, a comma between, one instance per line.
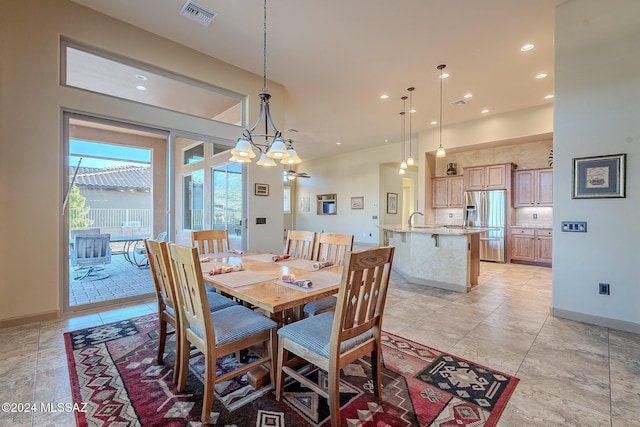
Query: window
x=287, y=200
x=193, y=154
x=193, y=201
x=123, y=78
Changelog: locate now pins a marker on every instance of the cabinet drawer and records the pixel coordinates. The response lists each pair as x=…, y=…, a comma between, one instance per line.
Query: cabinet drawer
x=544, y=232
x=523, y=231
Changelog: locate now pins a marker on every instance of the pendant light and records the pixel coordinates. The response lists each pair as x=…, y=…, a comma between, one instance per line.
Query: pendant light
x=273, y=146
x=410, y=160
x=403, y=163
x=441, y=151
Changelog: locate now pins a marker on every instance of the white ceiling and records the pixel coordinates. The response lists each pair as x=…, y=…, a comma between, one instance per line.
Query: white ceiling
x=336, y=57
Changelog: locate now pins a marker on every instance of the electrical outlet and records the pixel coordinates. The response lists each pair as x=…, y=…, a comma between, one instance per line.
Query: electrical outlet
x=535, y=216
x=603, y=288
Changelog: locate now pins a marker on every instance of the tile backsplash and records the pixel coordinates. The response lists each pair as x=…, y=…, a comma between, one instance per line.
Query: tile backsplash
x=524, y=217
x=452, y=216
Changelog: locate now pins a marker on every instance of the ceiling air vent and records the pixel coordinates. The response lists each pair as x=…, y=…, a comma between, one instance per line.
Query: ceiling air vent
x=458, y=102
x=197, y=13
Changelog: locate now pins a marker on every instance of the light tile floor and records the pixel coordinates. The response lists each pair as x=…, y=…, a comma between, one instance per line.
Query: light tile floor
x=572, y=374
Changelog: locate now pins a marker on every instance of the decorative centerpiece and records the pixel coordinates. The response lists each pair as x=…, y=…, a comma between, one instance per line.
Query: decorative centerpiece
x=451, y=169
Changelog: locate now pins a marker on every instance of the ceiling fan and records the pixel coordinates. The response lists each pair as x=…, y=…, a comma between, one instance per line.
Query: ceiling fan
x=291, y=174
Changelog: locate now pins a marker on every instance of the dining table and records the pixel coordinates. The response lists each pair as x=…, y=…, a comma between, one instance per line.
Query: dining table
x=259, y=284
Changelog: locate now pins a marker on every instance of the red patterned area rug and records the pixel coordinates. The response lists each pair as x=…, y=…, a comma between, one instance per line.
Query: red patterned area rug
x=113, y=370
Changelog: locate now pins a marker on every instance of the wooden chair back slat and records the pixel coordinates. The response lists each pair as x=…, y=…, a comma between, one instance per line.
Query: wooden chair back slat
x=300, y=244
x=210, y=241
x=332, y=247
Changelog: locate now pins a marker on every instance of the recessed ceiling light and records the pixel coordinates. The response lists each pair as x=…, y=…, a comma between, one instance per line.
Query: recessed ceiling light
x=468, y=95
x=386, y=140
x=550, y=96
x=338, y=143
x=445, y=75
x=434, y=123
x=485, y=111
x=413, y=110
x=541, y=76
x=526, y=47
x=140, y=87
x=384, y=96
x=140, y=77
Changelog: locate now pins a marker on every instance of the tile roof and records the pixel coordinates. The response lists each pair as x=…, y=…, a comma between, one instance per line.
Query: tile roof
x=129, y=177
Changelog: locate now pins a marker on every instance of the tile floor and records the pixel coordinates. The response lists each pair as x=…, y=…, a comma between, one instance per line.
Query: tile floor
x=572, y=374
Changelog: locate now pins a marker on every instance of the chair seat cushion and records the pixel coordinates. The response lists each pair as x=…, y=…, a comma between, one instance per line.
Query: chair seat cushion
x=314, y=333
x=237, y=322
x=321, y=305
x=216, y=302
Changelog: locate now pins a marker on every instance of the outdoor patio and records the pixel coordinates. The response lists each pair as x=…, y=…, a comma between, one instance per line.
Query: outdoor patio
x=124, y=280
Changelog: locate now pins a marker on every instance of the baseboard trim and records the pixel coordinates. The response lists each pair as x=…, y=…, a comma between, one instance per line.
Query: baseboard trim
x=23, y=320
x=596, y=320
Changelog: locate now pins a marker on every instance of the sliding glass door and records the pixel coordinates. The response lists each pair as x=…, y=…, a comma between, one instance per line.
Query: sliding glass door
x=116, y=185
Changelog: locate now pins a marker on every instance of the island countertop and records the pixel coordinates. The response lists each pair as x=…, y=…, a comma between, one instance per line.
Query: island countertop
x=455, y=230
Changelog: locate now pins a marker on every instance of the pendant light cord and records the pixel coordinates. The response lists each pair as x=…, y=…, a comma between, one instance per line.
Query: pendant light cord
x=264, y=50
x=441, y=67
x=411, y=89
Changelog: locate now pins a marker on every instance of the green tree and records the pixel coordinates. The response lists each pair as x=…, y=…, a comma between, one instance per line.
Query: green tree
x=77, y=210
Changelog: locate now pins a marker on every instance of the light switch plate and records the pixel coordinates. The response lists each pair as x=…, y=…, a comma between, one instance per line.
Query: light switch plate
x=574, y=226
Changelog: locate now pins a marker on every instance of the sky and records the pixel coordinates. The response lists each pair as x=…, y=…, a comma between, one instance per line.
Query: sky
x=99, y=155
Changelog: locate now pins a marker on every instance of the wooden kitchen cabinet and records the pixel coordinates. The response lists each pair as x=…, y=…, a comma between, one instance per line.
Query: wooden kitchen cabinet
x=533, y=187
x=531, y=245
x=447, y=192
x=490, y=177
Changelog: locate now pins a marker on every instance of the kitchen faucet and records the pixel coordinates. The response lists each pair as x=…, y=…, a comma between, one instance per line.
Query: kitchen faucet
x=411, y=217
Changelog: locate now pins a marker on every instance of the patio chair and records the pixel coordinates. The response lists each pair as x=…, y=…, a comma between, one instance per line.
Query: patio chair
x=300, y=244
x=210, y=241
x=329, y=247
x=158, y=255
x=216, y=334
x=139, y=256
x=91, y=252
x=332, y=340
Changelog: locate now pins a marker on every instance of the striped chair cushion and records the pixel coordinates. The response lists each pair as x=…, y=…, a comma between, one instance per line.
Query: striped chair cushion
x=314, y=333
x=216, y=302
x=321, y=305
x=235, y=323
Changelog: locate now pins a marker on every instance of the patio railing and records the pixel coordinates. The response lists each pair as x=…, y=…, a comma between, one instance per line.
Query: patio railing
x=104, y=218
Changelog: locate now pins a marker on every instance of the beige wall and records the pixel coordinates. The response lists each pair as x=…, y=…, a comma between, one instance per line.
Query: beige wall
x=32, y=165
x=597, y=100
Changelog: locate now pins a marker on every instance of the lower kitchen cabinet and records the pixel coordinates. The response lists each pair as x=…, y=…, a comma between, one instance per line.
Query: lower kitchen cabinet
x=531, y=245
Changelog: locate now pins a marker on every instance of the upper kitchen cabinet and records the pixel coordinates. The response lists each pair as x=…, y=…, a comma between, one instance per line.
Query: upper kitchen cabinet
x=447, y=192
x=490, y=177
x=533, y=187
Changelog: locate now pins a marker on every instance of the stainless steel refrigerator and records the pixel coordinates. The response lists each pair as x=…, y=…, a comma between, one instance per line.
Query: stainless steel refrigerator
x=487, y=209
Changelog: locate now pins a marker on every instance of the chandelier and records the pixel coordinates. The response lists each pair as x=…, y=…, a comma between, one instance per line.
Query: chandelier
x=274, y=147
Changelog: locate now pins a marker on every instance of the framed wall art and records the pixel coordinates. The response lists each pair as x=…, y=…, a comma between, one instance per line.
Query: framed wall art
x=599, y=177
x=392, y=203
x=357, y=203
x=262, y=189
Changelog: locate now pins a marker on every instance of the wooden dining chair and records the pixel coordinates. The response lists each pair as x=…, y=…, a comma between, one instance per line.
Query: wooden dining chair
x=158, y=256
x=216, y=334
x=210, y=241
x=332, y=340
x=329, y=247
x=300, y=244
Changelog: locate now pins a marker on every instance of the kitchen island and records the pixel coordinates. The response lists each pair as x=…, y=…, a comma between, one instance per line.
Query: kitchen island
x=439, y=256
